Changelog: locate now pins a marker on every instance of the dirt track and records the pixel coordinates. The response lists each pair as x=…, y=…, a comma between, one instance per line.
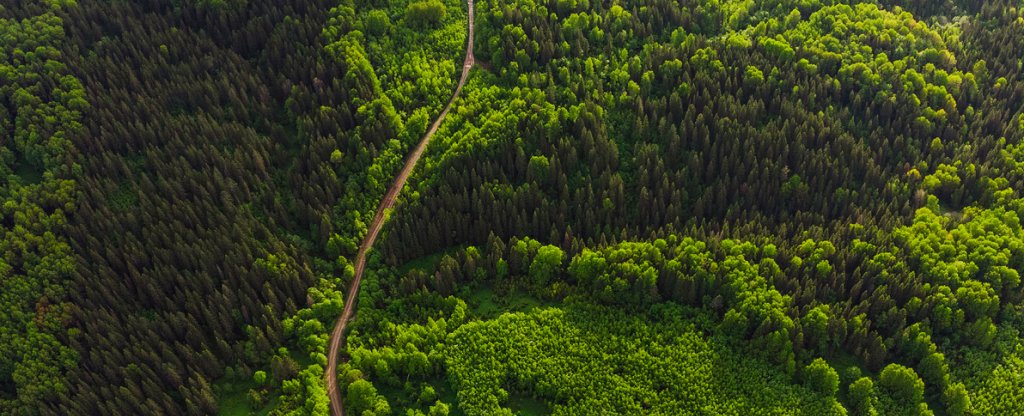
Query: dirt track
x=338, y=334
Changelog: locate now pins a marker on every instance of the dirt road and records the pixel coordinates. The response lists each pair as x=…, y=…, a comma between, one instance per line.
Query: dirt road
x=338, y=334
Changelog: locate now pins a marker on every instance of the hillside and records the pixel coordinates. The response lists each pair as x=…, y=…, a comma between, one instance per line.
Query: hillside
x=629, y=207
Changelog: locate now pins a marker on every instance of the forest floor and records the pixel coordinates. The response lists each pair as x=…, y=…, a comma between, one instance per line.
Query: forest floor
x=233, y=393
x=487, y=303
x=233, y=400
x=337, y=335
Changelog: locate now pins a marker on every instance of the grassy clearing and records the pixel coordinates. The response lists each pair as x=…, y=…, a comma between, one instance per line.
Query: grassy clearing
x=233, y=400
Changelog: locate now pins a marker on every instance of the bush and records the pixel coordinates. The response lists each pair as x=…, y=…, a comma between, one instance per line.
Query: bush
x=257, y=398
x=956, y=399
x=902, y=383
x=861, y=395
x=820, y=376
x=546, y=264
x=424, y=14
x=377, y=22
x=363, y=399
x=259, y=377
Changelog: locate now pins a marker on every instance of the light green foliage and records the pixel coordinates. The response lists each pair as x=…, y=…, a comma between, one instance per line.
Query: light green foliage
x=428, y=395
x=538, y=169
x=427, y=13
x=945, y=178
x=902, y=384
x=259, y=377
x=815, y=254
x=305, y=394
x=957, y=400
x=398, y=76
x=603, y=358
x=934, y=370
x=398, y=82
x=488, y=116
x=861, y=396
x=815, y=324
x=439, y=409
x=778, y=49
x=753, y=76
x=978, y=299
x=980, y=248
x=546, y=264
x=908, y=55
x=820, y=376
x=1002, y=392
x=362, y=399
x=42, y=109
x=627, y=273
x=641, y=273
x=377, y=22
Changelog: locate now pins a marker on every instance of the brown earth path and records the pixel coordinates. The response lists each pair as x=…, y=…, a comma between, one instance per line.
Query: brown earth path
x=338, y=334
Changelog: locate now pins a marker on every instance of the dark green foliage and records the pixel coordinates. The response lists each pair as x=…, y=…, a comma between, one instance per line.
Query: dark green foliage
x=194, y=273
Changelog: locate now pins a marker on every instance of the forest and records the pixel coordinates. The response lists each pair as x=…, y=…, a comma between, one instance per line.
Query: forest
x=633, y=207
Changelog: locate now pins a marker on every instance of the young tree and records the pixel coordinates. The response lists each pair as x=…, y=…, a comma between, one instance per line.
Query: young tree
x=862, y=395
x=902, y=383
x=362, y=399
x=957, y=400
x=820, y=376
x=423, y=14
x=259, y=377
x=546, y=264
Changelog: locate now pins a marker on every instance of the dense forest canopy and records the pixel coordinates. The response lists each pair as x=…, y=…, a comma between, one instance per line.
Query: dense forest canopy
x=633, y=207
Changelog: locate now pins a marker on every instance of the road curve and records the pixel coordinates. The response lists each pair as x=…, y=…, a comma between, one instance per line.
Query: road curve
x=338, y=334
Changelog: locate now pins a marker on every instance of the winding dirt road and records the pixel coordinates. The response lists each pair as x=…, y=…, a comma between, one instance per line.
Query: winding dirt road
x=338, y=334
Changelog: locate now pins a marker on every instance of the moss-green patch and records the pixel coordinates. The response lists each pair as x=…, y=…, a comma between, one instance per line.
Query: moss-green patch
x=123, y=197
x=428, y=262
x=850, y=368
x=149, y=314
x=233, y=400
x=136, y=162
x=8, y=389
x=527, y=406
x=28, y=174
x=446, y=393
x=405, y=398
x=303, y=359
x=237, y=402
x=482, y=303
x=486, y=303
